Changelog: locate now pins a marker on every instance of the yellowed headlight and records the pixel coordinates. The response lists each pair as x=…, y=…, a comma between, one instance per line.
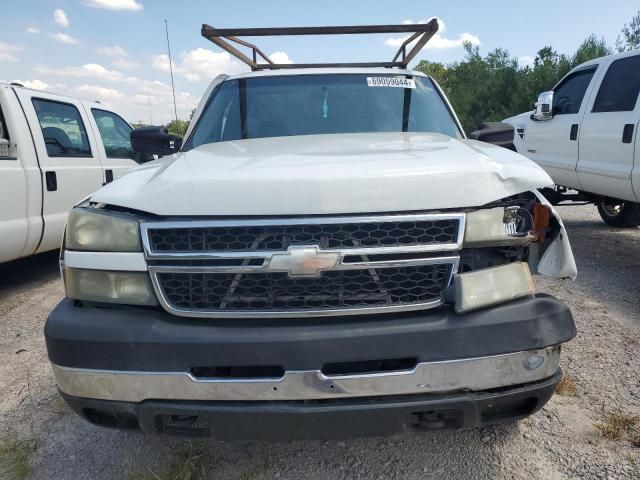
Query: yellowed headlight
x=101, y=232
x=491, y=286
x=131, y=288
x=491, y=227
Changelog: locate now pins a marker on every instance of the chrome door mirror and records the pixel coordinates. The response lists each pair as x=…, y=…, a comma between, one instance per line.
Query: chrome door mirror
x=544, y=107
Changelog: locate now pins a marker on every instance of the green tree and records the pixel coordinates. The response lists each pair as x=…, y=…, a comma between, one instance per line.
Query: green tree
x=630, y=39
x=178, y=127
x=589, y=49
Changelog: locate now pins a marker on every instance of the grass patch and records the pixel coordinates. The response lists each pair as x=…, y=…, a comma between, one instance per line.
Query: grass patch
x=260, y=470
x=617, y=424
x=187, y=462
x=567, y=387
x=14, y=457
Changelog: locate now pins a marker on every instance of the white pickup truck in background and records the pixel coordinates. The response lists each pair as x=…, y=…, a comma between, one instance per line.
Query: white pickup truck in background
x=584, y=133
x=54, y=151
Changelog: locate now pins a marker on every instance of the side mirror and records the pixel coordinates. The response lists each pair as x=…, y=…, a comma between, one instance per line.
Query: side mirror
x=544, y=107
x=154, y=141
x=497, y=133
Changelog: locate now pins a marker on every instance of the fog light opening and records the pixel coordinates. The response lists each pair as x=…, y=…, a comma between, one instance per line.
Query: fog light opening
x=534, y=362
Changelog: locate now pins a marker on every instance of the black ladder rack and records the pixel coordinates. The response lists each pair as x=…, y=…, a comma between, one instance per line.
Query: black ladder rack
x=421, y=34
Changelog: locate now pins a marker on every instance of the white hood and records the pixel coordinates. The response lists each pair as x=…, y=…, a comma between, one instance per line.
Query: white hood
x=326, y=174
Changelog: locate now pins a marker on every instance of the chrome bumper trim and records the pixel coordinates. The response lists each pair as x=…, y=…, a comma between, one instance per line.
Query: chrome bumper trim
x=470, y=374
x=119, y=261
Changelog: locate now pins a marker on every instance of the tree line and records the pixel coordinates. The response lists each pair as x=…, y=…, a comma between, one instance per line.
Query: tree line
x=495, y=86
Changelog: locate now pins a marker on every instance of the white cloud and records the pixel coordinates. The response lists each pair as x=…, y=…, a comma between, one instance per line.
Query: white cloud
x=159, y=95
x=132, y=5
x=161, y=62
x=280, y=57
x=33, y=84
x=89, y=70
x=33, y=30
x=8, y=52
x=64, y=38
x=96, y=92
x=124, y=64
x=114, y=51
x=60, y=18
x=120, y=57
x=199, y=64
x=526, y=61
x=438, y=41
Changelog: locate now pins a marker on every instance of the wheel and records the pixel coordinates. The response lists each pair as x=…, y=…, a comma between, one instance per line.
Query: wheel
x=618, y=213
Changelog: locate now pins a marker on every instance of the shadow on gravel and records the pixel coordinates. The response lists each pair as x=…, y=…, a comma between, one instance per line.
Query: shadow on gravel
x=608, y=263
x=28, y=272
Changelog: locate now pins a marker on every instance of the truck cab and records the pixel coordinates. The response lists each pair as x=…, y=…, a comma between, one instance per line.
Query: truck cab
x=54, y=151
x=584, y=133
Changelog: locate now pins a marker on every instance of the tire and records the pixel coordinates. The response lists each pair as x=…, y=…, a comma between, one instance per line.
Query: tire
x=618, y=213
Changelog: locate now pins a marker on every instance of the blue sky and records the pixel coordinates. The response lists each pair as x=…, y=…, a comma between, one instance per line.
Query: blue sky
x=115, y=51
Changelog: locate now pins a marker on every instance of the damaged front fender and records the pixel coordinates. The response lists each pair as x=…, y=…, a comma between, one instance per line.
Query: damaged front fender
x=557, y=261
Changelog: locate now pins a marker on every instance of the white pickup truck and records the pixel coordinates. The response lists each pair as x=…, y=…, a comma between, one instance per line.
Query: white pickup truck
x=584, y=133
x=54, y=151
x=326, y=255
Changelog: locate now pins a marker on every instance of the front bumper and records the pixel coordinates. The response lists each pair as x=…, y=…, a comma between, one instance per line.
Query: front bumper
x=151, y=368
x=328, y=419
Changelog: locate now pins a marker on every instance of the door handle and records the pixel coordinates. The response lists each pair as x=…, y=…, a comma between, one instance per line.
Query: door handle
x=627, y=133
x=51, y=181
x=574, y=132
x=108, y=176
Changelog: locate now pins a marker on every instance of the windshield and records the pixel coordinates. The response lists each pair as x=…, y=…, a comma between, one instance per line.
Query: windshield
x=278, y=106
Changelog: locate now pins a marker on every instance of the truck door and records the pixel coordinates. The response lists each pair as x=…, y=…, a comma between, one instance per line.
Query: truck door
x=608, y=131
x=114, y=145
x=554, y=143
x=68, y=156
x=13, y=196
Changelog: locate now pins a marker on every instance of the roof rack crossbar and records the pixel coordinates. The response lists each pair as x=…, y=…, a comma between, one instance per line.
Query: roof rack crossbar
x=421, y=34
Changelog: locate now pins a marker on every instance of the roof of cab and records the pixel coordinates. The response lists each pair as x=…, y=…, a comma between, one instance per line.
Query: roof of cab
x=607, y=58
x=326, y=71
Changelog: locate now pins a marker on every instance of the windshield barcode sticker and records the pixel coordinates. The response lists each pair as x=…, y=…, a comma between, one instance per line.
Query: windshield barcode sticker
x=398, y=82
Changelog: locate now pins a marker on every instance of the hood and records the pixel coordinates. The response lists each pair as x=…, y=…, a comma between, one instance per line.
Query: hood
x=326, y=174
x=518, y=119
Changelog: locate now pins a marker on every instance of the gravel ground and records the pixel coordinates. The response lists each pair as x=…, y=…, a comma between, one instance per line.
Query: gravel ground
x=559, y=442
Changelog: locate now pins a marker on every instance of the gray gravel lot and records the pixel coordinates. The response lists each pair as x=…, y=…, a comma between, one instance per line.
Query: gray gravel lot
x=559, y=442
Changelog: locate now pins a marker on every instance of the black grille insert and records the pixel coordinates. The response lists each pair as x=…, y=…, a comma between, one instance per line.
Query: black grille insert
x=280, y=237
x=244, y=372
x=369, y=366
x=341, y=289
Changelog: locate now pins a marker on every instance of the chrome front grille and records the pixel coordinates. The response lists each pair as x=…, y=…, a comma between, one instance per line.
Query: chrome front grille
x=278, y=291
x=326, y=235
x=314, y=266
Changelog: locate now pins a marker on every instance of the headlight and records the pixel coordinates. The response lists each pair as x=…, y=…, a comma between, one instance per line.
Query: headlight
x=131, y=288
x=95, y=230
x=491, y=286
x=498, y=226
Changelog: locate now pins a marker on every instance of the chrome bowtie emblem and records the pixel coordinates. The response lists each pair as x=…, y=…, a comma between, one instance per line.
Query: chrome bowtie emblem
x=303, y=261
